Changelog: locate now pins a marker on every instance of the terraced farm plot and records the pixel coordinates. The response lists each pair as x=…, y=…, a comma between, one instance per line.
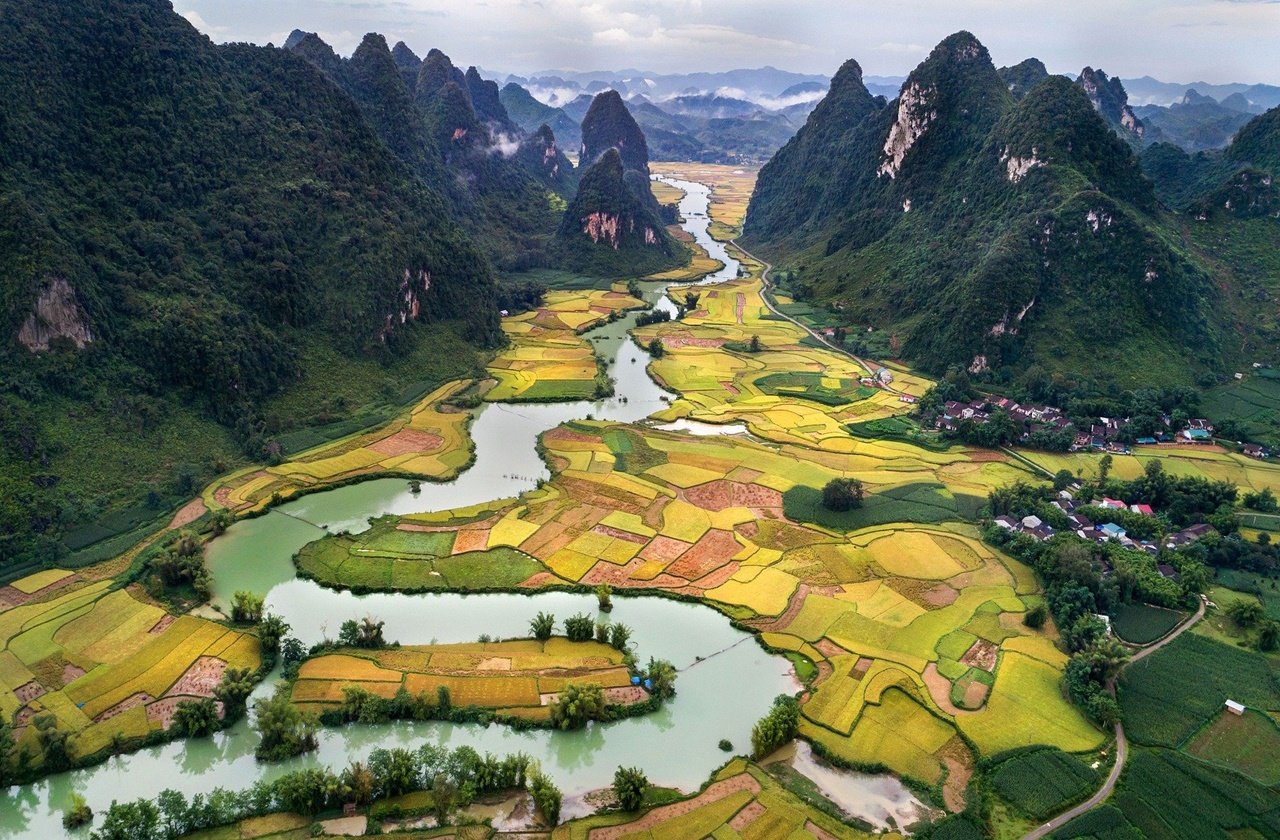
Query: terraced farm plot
x=789, y=391
x=1167, y=794
x=1210, y=462
x=897, y=617
x=1142, y=624
x=1248, y=743
x=548, y=359
x=731, y=188
x=430, y=441
x=504, y=676
x=1042, y=784
x=104, y=663
x=742, y=801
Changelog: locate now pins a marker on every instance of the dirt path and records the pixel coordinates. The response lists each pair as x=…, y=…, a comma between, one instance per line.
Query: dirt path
x=1122, y=744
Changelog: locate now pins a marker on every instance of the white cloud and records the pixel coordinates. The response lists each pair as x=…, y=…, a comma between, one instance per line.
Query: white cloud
x=193, y=17
x=1182, y=40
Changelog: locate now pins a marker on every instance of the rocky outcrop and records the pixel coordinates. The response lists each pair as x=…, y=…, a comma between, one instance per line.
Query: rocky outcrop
x=915, y=113
x=1112, y=102
x=56, y=315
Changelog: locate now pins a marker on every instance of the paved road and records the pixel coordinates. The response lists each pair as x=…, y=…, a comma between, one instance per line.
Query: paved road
x=1122, y=744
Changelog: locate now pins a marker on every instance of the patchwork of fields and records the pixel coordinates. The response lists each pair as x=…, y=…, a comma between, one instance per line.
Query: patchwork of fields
x=431, y=441
x=790, y=391
x=916, y=628
x=742, y=801
x=547, y=358
x=104, y=662
x=1175, y=699
x=1210, y=462
x=518, y=678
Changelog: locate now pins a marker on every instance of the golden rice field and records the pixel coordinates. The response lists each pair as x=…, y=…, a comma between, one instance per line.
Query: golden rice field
x=742, y=801
x=103, y=662
x=731, y=188
x=430, y=441
x=700, y=263
x=1211, y=462
x=547, y=358
x=511, y=677
x=708, y=361
x=908, y=615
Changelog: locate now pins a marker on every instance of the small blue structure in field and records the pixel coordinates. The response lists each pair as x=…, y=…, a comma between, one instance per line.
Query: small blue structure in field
x=635, y=680
x=648, y=685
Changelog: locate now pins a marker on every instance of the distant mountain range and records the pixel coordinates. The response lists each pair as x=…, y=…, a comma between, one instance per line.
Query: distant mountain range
x=744, y=116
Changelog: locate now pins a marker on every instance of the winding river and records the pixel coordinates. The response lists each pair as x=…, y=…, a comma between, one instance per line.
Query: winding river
x=726, y=682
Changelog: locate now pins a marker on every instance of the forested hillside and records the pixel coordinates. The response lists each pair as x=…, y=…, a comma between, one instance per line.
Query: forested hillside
x=191, y=237
x=988, y=232
x=451, y=129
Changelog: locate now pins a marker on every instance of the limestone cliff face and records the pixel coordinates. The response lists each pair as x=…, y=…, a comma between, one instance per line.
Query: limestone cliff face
x=1112, y=102
x=56, y=314
x=606, y=228
x=915, y=113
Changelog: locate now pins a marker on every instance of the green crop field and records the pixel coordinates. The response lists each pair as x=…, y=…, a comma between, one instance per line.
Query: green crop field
x=1165, y=794
x=1249, y=743
x=1169, y=695
x=1043, y=783
x=1142, y=624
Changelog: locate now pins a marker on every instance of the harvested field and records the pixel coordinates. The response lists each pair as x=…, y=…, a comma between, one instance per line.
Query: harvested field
x=494, y=675
x=429, y=440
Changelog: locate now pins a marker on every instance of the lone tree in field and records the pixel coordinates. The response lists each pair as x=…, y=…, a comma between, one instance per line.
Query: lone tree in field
x=655, y=347
x=842, y=494
x=754, y=346
x=629, y=786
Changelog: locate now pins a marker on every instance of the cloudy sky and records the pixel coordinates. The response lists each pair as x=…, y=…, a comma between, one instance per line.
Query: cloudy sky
x=1175, y=40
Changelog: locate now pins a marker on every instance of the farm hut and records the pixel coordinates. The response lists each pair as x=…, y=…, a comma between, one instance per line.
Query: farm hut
x=1235, y=708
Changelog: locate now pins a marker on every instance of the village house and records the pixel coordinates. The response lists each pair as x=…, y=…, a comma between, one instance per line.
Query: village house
x=1188, y=535
x=1255, y=450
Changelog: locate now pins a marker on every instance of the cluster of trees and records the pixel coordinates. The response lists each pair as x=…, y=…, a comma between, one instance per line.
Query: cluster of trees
x=777, y=727
x=629, y=787
x=842, y=494
x=454, y=777
x=181, y=564
x=581, y=627
x=1251, y=615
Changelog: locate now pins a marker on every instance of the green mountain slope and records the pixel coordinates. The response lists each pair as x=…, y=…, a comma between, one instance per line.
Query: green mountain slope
x=986, y=232
x=188, y=235
x=452, y=130
x=608, y=229
x=613, y=226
